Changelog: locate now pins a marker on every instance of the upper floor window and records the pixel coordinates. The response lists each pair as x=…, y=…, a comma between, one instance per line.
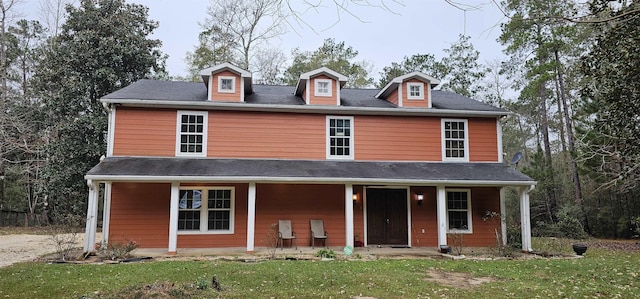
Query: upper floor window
x=226, y=84
x=339, y=137
x=192, y=133
x=454, y=140
x=416, y=91
x=459, y=210
x=323, y=87
x=208, y=210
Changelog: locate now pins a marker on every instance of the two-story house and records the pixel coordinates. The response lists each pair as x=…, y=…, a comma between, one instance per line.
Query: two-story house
x=216, y=163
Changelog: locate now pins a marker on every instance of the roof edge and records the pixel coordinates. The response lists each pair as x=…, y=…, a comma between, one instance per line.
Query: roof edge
x=301, y=108
x=226, y=179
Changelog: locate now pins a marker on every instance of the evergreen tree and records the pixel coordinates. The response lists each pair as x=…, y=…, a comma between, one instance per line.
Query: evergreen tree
x=336, y=56
x=104, y=45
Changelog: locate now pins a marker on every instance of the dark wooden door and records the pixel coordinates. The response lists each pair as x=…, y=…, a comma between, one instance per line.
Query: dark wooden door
x=387, y=216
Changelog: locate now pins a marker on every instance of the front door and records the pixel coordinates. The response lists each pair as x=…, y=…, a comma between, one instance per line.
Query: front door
x=387, y=216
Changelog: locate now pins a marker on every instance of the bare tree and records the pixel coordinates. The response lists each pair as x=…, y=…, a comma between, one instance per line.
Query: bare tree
x=250, y=23
x=269, y=64
x=52, y=14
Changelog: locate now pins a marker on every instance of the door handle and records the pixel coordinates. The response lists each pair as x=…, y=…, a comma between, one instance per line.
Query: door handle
x=387, y=220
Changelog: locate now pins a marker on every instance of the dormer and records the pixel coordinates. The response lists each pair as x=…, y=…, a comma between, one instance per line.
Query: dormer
x=320, y=87
x=411, y=90
x=226, y=83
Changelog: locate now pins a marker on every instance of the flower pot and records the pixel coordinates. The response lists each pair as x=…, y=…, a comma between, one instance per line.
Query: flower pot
x=445, y=249
x=579, y=248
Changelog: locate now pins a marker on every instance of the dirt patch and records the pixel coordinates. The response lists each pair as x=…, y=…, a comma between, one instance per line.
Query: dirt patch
x=456, y=279
x=614, y=245
x=15, y=248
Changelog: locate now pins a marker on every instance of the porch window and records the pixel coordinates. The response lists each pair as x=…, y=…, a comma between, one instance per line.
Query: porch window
x=459, y=211
x=339, y=137
x=323, y=87
x=226, y=84
x=415, y=91
x=206, y=210
x=455, y=140
x=192, y=133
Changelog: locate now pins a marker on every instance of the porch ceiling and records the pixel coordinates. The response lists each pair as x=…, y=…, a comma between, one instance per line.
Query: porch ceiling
x=306, y=171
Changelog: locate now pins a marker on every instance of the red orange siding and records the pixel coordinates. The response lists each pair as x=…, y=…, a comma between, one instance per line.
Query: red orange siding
x=145, y=132
x=234, y=134
x=484, y=232
x=483, y=140
x=397, y=138
x=214, y=95
x=266, y=135
x=239, y=236
x=316, y=100
x=393, y=97
x=415, y=103
x=300, y=203
x=140, y=212
x=424, y=217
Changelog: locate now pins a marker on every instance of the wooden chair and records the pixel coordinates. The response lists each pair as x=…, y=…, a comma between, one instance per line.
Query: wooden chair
x=286, y=233
x=318, y=232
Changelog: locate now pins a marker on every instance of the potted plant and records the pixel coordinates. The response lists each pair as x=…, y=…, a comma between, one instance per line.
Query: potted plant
x=579, y=248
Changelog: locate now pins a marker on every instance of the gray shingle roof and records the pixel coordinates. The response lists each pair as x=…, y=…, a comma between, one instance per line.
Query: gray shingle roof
x=308, y=170
x=283, y=95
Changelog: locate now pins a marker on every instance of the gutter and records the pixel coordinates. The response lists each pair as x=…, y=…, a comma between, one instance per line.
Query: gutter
x=312, y=180
x=339, y=110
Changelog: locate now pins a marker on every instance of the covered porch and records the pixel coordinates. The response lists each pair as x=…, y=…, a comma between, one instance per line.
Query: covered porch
x=266, y=190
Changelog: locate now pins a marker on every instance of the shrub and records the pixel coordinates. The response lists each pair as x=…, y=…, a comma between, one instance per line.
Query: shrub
x=326, y=253
x=271, y=240
x=117, y=250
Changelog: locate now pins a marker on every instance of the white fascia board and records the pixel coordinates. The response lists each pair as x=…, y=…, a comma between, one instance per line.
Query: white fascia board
x=424, y=77
x=433, y=82
x=339, y=110
x=225, y=66
x=327, y=71
x=305, y=180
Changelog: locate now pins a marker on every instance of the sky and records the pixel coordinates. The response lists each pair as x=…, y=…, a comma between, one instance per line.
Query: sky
x=381, y=36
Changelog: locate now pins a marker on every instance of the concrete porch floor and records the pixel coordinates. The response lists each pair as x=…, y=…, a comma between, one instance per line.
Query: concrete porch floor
x=301, y=251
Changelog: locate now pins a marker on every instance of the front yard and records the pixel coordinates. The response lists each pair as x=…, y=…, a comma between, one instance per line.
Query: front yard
x=604, y=272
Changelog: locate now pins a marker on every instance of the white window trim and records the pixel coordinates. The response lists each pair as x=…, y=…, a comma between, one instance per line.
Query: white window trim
x=205, y=130
x=328, y=139
x=469, y=212
x=317, y=92
x=204, y=210
x=466, y=141
x=233, y=84
x=420, y=86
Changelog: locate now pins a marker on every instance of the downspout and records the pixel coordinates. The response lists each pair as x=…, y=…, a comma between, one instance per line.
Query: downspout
x=525, y=215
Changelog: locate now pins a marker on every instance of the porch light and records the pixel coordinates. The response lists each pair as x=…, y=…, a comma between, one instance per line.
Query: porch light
x=420, y=197
x=355, y=198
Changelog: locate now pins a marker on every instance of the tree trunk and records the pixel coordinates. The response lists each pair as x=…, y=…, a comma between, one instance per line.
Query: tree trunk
x=577, y=188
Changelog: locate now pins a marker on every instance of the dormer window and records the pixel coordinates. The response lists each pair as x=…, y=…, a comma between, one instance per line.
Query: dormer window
x=323, y=87
x=416, y=91
x=226, y=84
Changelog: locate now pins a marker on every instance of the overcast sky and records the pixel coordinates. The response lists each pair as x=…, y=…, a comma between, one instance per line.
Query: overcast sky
x=380, y=36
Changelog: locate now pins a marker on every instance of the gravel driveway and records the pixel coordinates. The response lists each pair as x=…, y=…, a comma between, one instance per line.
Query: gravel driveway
x=15, y=248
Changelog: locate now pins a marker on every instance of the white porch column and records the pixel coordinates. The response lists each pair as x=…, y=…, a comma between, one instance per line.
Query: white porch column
x=173, y=217
x=441, y=199
x=92, y=219
x=525, y=218
x=106, y=213
x=348, y=213
x=503, y=216
x=251, y=216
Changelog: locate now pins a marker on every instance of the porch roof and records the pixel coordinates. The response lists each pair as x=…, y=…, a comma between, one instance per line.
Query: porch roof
x=169, y=169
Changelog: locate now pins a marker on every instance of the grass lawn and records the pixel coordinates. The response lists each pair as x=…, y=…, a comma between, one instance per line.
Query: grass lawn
x=602, y=273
